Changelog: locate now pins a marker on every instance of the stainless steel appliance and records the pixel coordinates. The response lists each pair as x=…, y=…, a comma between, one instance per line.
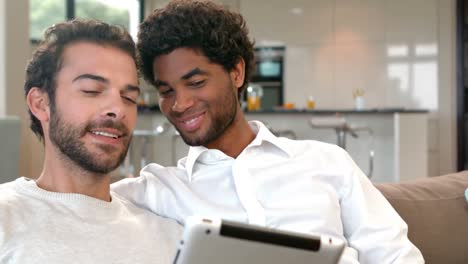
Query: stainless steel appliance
x=268, y=74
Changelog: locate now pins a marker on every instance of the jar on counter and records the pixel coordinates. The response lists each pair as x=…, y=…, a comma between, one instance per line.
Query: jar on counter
x=254, y=97
x=310, y=102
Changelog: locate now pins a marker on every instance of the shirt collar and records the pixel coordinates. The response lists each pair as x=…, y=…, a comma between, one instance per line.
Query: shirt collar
x=192, y=156
x=262, y=134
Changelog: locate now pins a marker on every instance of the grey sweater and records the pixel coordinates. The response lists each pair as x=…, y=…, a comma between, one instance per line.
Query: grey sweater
x=37, y=226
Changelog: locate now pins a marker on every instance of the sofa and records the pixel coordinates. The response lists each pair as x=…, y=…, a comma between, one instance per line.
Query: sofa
x=10, y=131
x=436, y=212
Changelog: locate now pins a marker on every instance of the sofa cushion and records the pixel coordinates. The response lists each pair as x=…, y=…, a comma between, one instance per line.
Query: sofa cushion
x=436, y=212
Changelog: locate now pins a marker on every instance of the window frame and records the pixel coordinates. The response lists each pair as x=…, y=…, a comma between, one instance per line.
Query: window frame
x=70, y=14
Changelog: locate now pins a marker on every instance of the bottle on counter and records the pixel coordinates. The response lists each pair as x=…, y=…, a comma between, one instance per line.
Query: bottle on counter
x=358, y=96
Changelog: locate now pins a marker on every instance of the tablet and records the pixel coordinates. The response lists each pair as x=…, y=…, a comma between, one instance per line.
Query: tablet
x=211, y=241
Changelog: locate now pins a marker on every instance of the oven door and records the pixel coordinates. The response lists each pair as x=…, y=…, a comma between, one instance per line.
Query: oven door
x=272, y=94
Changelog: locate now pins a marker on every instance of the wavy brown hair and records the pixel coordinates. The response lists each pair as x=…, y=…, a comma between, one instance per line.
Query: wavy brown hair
x=45, y=64
x=221, y=35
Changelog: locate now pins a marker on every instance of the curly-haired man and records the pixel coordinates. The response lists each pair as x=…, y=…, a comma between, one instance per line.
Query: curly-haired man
x=81, y=87
x=199, y=57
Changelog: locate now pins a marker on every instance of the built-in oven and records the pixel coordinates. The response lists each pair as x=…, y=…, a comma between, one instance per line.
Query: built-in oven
x=269, y=75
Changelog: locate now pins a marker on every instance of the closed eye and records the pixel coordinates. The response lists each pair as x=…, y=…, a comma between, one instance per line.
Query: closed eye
x=197, y=84
x=165, y=92
x=90, y=92
x=129, y=99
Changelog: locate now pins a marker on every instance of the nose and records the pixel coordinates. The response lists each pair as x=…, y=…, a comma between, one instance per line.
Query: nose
x=114, y=108
x=182, y=102
x=113, y=114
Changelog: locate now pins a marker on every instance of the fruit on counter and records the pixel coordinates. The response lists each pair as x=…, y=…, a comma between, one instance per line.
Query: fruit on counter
x=288, y=106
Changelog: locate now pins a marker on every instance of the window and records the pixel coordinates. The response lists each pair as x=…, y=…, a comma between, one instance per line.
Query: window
x=44, y=13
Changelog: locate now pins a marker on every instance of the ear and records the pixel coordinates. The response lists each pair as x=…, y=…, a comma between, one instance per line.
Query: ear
x=38, y=103
x=238, y=73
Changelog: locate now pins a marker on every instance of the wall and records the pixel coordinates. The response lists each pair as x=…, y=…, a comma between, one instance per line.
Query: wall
x=334, y=47
x=14, y=42
x=447, y=129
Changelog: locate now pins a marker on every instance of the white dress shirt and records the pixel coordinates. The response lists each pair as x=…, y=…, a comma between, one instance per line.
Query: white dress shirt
x=303, y=186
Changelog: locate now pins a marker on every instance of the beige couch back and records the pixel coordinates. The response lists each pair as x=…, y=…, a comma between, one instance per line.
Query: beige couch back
x=436, y=212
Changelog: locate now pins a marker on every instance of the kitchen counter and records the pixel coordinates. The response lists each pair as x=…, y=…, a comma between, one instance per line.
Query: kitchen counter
x=397, y=136
x=155, y=110
x=341, y=111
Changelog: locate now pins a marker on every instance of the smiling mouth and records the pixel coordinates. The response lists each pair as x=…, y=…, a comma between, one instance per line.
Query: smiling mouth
x=192, y=123
x=106, y=134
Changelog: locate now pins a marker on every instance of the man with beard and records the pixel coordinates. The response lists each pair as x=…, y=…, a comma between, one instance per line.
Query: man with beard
x=81, y=89
x=199, y=57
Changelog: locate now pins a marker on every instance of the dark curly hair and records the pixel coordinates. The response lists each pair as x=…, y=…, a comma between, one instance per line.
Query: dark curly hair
x=221, y=35
x=42, y=69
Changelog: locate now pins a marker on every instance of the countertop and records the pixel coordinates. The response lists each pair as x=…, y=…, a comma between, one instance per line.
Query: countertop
x=155, y=110
x=341, y=111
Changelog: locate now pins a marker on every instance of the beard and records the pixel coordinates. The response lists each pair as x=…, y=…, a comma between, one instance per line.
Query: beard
x=66, y=137
x=223, y=114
